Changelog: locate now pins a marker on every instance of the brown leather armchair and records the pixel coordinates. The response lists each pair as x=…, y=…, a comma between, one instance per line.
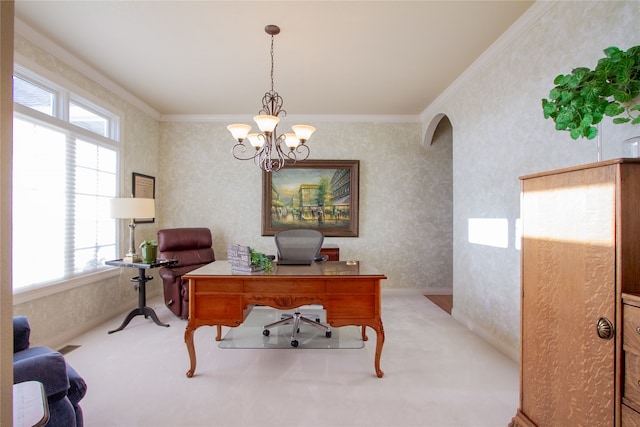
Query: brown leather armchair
x=192, y=247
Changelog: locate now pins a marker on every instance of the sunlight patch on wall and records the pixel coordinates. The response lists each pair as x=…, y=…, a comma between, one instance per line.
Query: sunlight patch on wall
x=545, y=213
x=489, y=231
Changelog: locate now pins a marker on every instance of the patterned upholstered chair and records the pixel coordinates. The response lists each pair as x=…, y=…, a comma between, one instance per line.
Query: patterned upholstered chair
x=63, y=386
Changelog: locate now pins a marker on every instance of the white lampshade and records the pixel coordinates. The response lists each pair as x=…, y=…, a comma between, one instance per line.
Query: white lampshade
x=291, y=140
x=239, y=131
x=303, y=132
x=132, y=207
x=256, y=140
x=266, y=123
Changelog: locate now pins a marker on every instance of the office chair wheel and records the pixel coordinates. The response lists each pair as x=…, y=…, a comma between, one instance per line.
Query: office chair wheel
x=294, y=343
x=327, y=334
x=266, y=332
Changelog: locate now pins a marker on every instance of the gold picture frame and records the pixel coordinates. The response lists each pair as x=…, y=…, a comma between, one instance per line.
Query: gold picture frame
x=319, y=194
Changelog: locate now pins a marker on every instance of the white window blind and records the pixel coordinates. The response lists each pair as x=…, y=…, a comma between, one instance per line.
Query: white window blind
x=63, y=178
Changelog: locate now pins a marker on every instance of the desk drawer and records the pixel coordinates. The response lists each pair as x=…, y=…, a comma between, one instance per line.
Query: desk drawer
x=632, y=377
x=218, y=308
x=285, y=286
x=631, y=328
x=352, y=306
x=351, y=286
x=217, y=285
x=630, y=418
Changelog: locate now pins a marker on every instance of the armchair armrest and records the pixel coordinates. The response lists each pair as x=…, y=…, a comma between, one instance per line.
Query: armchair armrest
x=167, y=274
x=21, y=333
x=48, y=368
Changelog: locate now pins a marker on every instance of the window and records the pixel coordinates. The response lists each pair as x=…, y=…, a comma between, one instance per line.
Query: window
x=65, y=168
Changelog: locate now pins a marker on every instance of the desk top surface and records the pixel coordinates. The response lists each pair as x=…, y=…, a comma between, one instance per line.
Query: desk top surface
x=324, y=269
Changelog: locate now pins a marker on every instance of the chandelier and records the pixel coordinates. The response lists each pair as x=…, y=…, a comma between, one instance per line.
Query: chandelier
x=271, y=151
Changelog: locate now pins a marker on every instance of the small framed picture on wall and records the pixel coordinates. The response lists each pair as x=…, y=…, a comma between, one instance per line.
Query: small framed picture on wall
x=144, y=186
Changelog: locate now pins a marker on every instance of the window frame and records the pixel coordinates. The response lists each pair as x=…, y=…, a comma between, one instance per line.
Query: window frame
x=65, y=93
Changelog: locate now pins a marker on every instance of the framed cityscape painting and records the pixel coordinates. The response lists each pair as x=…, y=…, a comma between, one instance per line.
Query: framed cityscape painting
x=319, y=194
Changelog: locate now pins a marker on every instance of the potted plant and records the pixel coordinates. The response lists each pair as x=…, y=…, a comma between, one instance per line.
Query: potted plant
x=581, y=99
x=261, y=260
x=149, y=251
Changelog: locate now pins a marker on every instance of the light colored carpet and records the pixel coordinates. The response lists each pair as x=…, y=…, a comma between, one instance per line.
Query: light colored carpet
x=249, y=334
x=437, y=374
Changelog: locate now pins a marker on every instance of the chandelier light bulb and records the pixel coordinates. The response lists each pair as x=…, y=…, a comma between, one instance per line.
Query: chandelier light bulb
x=291, y=140
x=239, y=131
x=266, y=123
x=256, y=140
x=303, y=132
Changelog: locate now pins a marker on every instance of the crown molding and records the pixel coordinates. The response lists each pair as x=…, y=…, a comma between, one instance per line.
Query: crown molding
x=37, y=38
x=524, y=23
x=238, y=118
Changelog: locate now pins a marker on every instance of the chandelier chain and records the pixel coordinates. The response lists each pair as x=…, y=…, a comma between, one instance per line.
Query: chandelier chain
x=272, y=63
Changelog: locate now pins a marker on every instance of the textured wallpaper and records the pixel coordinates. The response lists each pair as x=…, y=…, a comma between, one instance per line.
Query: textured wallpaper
x=405, y=194
x=499, y=134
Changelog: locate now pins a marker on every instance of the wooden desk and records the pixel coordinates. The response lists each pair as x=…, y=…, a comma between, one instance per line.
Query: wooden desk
x=349, y=293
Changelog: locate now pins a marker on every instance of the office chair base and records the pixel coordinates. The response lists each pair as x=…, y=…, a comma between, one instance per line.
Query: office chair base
x=296, y=318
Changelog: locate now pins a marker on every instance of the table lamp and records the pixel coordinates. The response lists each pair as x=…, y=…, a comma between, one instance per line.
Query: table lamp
x=132, y=208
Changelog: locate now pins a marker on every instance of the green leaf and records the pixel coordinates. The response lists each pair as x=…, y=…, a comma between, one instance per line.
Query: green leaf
x=592, y=132
x=611, y=51
x=547, y=108
x=559, y=80
x=587, y=120
x=621, y=120
x=636, y=121
x=575, y=134
x=613, y=109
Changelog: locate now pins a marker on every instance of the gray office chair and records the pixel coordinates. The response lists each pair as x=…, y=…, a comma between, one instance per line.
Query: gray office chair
x=298, y=246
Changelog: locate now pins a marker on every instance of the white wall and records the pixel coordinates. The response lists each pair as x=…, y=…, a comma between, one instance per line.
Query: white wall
x=499, y=134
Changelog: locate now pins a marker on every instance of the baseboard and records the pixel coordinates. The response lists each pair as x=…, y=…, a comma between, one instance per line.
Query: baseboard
x=511, y=353
x=420, y=292
x=70, y=334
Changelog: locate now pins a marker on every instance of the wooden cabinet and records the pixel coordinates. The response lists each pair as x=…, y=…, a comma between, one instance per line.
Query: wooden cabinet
x=332, y=251
x=631, y=352
x=580, y=252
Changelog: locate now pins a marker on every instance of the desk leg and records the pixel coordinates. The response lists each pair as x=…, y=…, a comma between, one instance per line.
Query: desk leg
x=142, y=309
x=188, y=339
x=376, y=325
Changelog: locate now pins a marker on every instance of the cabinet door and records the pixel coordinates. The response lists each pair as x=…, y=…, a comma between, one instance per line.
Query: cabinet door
x=568, y=284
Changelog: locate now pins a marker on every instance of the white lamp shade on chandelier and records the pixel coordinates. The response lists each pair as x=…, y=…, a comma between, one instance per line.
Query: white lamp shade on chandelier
x=271, y=151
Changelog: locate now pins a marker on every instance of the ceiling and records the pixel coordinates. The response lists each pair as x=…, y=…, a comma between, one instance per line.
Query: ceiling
x=331, y=57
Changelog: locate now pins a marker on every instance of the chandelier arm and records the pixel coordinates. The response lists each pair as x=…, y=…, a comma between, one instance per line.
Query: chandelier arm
x=239, y=150
x=272, y=105
x=303, y=152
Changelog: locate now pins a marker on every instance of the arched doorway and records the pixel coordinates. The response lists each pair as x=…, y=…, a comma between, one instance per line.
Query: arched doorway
x=438, y=141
